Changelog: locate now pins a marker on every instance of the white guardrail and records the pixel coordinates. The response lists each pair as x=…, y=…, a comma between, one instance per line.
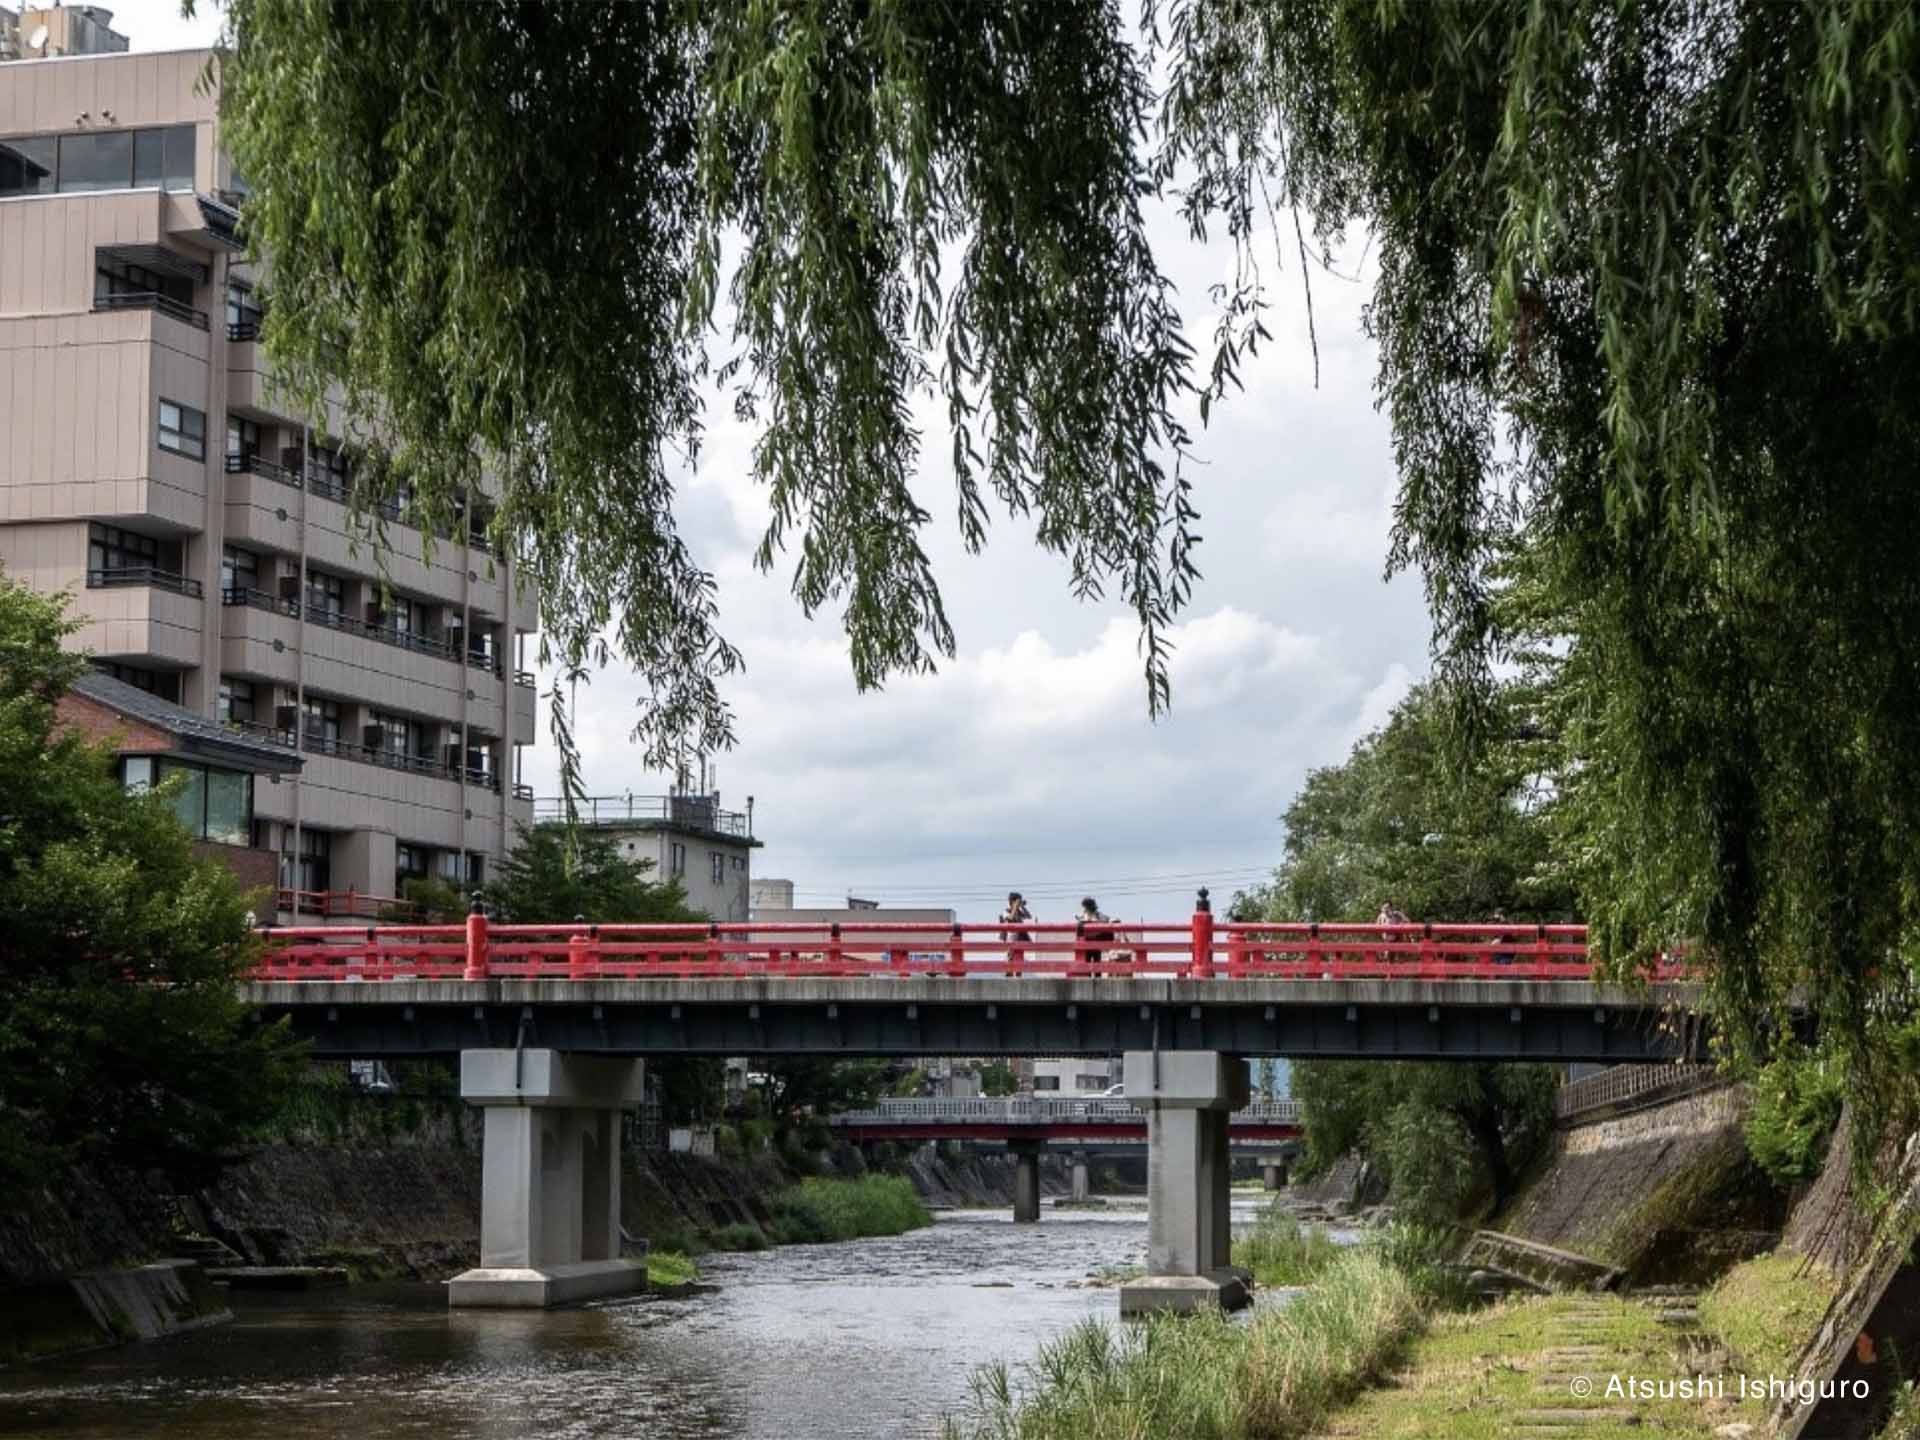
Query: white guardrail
x=1021, y=1111
x=1624, y=1084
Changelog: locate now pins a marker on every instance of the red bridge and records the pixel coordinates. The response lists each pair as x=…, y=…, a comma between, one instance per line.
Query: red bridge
x=1406, y=991
x=1199, y=949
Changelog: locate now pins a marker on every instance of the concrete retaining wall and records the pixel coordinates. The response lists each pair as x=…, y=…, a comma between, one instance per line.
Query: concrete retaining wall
x=1668, y=1188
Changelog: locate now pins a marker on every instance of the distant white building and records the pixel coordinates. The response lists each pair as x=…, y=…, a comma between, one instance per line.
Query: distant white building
x=1077, y=1076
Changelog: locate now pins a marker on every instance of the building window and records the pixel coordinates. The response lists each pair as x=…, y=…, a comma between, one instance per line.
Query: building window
x=236, y=701
x=159, y=157
x=243, y=440
x=1084, y=1081
x=740, y=862
x=239, y=571
x=27, y=165
x=243, y=316
x=397, y=736
x=97, y=162
x=409, y=863
x=1046, y=1082
x=113, y=276
x=322, y=721
x=327, y=473
x=326, y=595
x=212, y=804
x=719, y=867
x=312, y=868
x=677, y=854
x=447, y=866
x=476, y=870
x=183, y=430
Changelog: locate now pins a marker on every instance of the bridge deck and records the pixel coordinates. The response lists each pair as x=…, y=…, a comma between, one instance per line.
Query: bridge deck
x=884, y=1015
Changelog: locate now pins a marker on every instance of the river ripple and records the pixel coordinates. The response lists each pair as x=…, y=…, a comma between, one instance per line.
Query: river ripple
x=874, y=1338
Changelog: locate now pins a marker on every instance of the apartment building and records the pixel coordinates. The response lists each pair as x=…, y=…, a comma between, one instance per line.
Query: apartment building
x=148, y=468
x=687, y=835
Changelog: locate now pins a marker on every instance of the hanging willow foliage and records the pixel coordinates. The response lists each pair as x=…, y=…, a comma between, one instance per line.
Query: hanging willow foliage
x=1648, y=274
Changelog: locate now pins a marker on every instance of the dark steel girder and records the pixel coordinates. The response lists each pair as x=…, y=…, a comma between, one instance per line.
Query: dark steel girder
x=369, y=1027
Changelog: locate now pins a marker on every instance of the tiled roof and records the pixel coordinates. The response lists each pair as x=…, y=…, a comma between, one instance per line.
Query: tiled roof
x=196, y=733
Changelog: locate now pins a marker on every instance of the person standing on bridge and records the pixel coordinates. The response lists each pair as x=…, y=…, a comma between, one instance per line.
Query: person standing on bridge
x=1016, y=912
x=1090, y=916
x=1390, y=914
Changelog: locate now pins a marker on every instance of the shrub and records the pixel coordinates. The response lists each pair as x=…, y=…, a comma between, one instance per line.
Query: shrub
x=817, y=1211
x=670, y=1267
x=1796, y=1104
x=1281, y=1251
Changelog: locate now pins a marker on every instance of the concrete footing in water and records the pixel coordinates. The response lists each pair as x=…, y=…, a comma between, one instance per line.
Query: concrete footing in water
x=550, y=1178
x=1188, y=1096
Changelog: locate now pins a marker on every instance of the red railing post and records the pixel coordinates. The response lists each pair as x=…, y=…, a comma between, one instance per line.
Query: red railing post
x=476, y=943
x=956, y=957
x=579, y=956
x=1202, y=960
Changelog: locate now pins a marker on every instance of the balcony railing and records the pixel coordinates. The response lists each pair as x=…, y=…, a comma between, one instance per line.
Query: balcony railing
x=415, y=640
x=524, y=678
x=116, y=575
x=522, y=790
x=319, y=743
x=250, y=464
x=687, y=812
x=152, y=300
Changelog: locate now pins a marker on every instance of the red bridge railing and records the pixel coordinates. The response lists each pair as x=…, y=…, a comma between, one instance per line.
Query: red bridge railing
x=1196, y=949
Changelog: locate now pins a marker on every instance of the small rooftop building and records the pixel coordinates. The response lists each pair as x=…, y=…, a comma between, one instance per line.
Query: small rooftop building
x=688, y=837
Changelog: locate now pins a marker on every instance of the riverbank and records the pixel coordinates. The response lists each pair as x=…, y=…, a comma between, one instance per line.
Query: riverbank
x=1207, y=1375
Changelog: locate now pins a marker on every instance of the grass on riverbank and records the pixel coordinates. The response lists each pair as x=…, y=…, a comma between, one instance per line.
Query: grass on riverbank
x=817, y=1212
x=1766, y=1309
x=1279, y=1250
x=668, y=1268
x=1206, y=1377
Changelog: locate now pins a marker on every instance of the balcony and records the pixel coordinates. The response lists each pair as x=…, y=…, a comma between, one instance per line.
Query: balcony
x=318, y=743
x=151, y=575
x=417, y=641
x=152, y=300
x=247, y=463
x=524, y=679
x=315, y=480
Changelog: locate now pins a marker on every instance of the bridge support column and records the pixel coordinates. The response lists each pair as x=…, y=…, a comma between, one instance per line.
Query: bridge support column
x=1026, y=1181
x=1081, y=1189
x=549, y=1178
x=1189, y=1096
x=1275, y=1174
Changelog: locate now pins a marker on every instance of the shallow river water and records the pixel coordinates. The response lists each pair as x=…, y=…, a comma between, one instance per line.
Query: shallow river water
x=874, y=1338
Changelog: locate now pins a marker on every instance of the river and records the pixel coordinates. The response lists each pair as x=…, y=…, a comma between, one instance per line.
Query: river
x=859, y=1341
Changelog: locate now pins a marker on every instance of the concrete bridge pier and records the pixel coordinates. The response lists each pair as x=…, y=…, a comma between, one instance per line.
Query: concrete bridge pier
x=1081, y=1186
x=1188, y=1096
x=1026, y=1180
x=1274, y=1173
x=549, y=1178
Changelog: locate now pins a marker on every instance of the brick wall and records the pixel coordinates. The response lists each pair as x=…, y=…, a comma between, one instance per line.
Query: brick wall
x=109, y=727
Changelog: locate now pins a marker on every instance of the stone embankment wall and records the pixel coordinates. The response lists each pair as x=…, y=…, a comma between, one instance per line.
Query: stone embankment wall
x=965, y=1179
x=1666, y=1193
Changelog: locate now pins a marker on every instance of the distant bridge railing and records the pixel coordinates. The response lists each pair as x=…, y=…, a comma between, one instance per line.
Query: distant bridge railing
x=1196, y=949
x=1021, y=1110
x=1626, y=1086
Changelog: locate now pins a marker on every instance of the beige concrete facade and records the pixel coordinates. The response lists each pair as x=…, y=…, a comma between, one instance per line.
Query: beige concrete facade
x=148, y=470
x=687, y=836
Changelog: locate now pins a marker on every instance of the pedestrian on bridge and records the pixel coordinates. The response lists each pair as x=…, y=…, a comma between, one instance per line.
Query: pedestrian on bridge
x=1016, y=912
x=1391, y=914
x=1090, y=916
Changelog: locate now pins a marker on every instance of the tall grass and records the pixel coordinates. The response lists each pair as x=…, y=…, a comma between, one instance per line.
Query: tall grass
x=1279, y=1250
x=815, y=1212
x=1204, y=1377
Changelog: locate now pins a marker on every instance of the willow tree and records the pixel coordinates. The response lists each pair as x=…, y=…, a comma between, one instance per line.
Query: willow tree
x=1646, y=291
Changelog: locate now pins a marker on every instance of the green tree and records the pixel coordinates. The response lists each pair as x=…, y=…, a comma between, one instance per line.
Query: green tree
x=1400, y=820
x=556, y=874
x=998, y=1079
x=122, y=1036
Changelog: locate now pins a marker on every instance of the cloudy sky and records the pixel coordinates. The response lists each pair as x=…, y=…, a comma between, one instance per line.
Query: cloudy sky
x=1029, y=761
